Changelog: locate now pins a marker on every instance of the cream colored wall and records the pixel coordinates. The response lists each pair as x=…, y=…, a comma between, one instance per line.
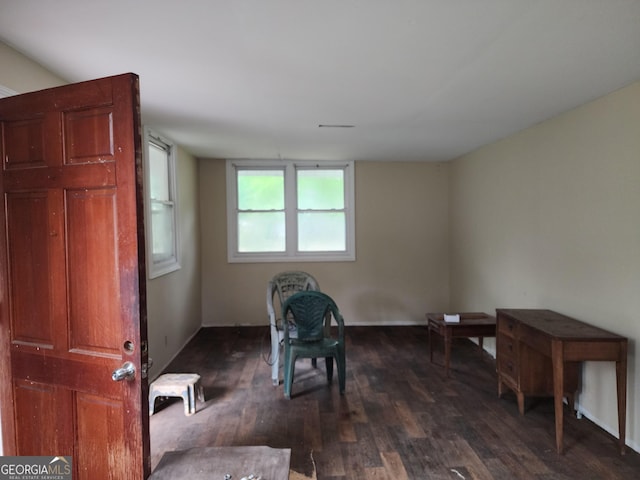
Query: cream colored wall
x=173, y=306
x=549, y=218
x=402, y=250
x=22, y=74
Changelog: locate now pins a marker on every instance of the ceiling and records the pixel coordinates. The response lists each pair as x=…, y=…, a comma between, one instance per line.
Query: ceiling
x=417, y=80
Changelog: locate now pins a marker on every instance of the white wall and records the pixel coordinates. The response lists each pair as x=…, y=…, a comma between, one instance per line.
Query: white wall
x=173, y=300
x=402, y=250
x=549, y=218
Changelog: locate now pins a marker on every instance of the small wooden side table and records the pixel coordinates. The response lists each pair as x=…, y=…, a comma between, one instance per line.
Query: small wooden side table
x=472, y=324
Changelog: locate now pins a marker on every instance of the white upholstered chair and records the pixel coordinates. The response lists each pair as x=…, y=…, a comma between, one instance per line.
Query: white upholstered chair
x=279, y=289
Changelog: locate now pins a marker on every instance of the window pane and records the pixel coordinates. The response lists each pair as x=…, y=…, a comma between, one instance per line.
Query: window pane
x=159, y=172
x=162, y=234
x=320, y=189
x=162, y=209
x=260, y=189
x=261, y=232
x=321, y=231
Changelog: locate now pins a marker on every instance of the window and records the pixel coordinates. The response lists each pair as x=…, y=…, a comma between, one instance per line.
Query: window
x=162, y=234
x=290, y=211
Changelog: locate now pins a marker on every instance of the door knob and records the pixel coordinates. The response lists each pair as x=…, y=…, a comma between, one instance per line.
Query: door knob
x=125, y=372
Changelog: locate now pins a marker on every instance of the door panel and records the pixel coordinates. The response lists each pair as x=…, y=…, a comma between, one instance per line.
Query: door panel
x=41, y=403
x=89, y=136
x=24, y=143
x=27, y=227
x=98, y=422
x=92, y=252
x=72, y=290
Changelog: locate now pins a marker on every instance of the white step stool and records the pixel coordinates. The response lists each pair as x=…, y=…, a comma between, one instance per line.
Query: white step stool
x=184, y=385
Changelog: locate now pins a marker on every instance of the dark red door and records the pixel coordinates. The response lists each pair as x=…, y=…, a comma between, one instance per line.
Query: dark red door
x=72, y=287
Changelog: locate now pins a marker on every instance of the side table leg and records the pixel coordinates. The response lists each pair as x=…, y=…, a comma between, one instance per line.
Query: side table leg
x=430, y=344
x=621, y=383
x=447, y=350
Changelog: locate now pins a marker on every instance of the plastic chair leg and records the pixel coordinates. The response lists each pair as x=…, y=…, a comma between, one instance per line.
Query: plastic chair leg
x=342, y=372
x=289, y=368
x=329, y=365
x=275, y=357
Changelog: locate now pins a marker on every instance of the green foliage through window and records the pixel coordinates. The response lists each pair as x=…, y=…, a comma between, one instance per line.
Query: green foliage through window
x=260, y=189
x=283, y=210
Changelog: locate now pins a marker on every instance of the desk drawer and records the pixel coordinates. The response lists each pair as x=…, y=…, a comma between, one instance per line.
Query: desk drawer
x=507, y=326
x=506, y=346
x=508, y=369
x=507, y=357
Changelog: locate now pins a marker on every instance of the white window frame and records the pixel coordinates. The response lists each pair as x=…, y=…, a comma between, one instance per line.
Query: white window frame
x=161, y=267
x=291, y=253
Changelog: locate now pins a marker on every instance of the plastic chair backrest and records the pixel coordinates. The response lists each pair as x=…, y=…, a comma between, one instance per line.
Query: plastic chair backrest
x=288, y=283
x=312, y=311
x=285, y=284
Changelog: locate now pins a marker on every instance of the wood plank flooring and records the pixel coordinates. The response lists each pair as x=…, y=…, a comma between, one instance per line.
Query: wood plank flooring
x=400, y=417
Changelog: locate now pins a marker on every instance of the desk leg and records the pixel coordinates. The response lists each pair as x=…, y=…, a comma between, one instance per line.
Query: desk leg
x=480, y=342
x=558, y=384
x=621, y=383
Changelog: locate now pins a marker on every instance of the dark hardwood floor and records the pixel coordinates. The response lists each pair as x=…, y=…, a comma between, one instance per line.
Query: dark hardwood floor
x=400, y=417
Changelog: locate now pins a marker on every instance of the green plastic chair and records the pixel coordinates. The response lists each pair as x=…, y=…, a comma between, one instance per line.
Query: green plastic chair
x=312, y=312
x=280, y=287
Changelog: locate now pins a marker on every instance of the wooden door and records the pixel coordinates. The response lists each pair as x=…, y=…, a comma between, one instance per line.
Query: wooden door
x=72, y=287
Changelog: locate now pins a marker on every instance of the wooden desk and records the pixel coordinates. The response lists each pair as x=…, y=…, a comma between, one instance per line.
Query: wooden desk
x=534, y=346
x=472, y=324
